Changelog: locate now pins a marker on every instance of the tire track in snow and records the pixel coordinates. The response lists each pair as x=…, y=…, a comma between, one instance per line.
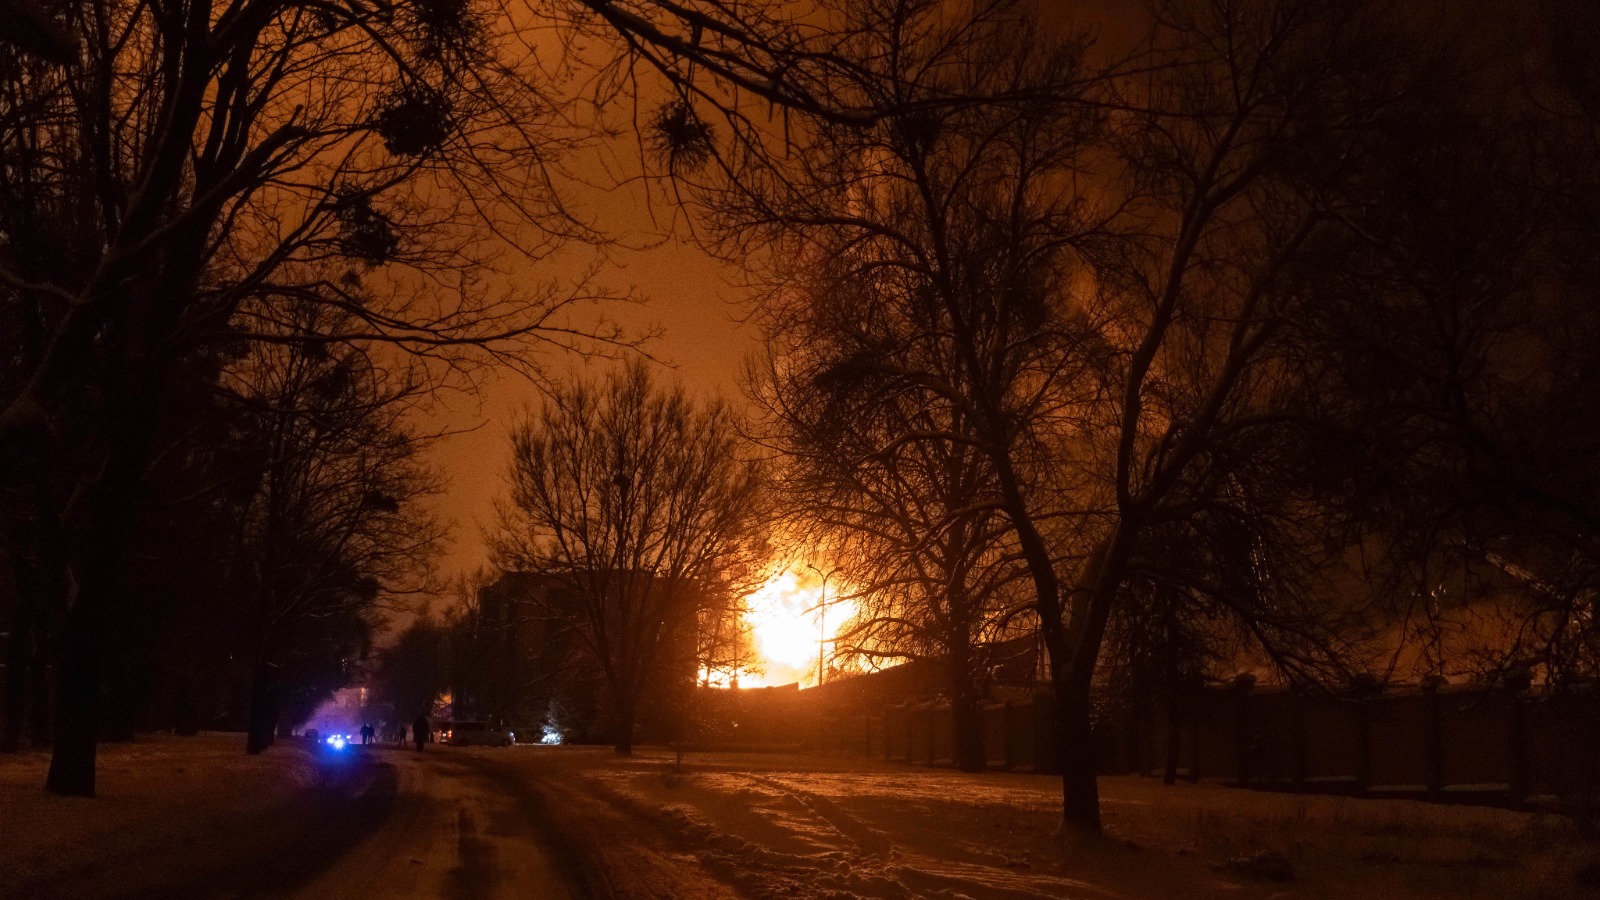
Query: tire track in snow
x=866, y=840
x=860, y=869
x=930, y=878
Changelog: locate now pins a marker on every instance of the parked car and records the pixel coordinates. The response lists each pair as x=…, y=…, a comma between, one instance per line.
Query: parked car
x=469, y=734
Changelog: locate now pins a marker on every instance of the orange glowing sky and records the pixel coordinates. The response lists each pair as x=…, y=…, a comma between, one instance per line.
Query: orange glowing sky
x=693, y=304
x=695, y=300
x=697, y=303
x=690, y=298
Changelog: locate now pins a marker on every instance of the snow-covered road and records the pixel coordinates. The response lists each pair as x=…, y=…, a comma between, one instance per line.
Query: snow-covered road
x=451, y=832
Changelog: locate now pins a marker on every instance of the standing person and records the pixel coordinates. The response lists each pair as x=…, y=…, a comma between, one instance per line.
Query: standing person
x=419, y=731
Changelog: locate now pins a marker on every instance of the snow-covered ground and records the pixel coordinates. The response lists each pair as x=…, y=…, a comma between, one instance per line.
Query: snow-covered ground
x=182, y=816
x=791, y=826
x=152, y=792
x=196, y=817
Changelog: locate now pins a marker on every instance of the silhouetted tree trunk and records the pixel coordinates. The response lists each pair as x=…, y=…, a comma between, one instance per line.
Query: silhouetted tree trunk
x=19, y=659
x=185, y=714
x=1174, y=701
x=264, y=704
x=98, y=563
x=625, y=719
x=966, y=709
x=1072, y=676
x=1080, y=786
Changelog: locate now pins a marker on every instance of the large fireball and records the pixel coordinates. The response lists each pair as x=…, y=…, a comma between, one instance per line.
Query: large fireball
x=784, y=617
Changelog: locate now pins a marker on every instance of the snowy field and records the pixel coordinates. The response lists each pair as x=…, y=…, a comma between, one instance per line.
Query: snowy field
x=791, y=826
x=177, y=811
x=153, y=793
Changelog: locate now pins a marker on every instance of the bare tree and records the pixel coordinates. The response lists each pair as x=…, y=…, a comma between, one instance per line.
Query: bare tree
x=895, y=487
x=1093, y=280
x=930, y=256
x=645, y=505
x=727, y=645
x=1258, y=123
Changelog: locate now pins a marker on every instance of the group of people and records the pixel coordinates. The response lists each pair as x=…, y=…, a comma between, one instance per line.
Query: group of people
x=421, y=732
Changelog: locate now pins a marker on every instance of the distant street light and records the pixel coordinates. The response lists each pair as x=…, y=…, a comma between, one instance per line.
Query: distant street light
x=822, y=617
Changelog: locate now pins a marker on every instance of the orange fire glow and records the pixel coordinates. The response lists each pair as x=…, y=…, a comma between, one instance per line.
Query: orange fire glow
x=784, y=615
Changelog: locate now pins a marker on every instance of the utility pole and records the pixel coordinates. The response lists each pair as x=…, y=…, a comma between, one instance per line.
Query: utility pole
x=822, y=617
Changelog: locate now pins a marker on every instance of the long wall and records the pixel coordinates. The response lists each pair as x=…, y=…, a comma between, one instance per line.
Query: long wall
x=1481, y=745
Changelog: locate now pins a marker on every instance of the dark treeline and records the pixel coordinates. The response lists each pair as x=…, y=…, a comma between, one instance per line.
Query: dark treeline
x=634, y=522
x=522, y=647
x=281, y=498
x=236, y=241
